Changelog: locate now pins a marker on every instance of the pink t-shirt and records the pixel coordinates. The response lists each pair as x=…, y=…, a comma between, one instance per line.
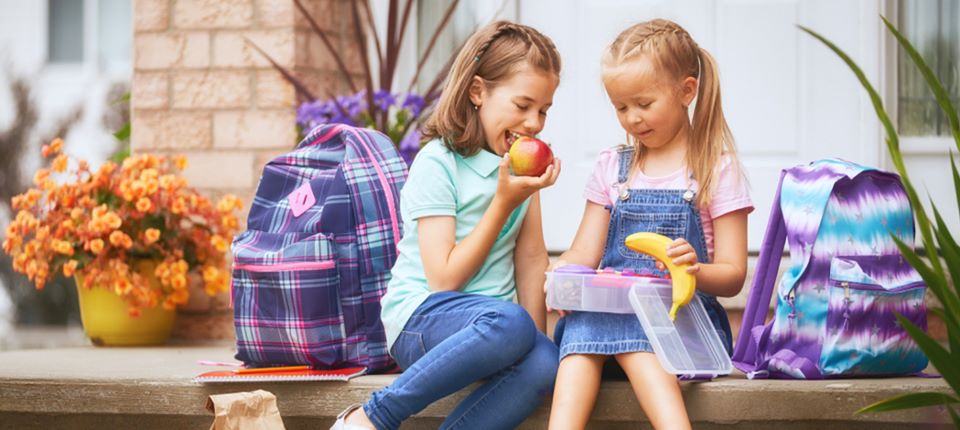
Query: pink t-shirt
x=730, y=192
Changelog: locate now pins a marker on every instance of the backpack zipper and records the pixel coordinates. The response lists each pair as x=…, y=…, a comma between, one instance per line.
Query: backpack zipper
x=293, y=267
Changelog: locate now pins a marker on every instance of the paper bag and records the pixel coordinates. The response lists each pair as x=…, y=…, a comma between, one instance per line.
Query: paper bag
x=252, y=410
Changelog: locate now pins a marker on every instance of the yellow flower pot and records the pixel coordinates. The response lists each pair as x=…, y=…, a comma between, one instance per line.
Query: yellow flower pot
x=107, y=322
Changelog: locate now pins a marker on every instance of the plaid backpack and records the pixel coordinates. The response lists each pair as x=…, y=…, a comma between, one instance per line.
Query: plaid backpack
x=321, y=238
x=836, y=302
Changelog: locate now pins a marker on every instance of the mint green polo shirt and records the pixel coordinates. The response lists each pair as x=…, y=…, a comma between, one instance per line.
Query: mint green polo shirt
x=444, y=183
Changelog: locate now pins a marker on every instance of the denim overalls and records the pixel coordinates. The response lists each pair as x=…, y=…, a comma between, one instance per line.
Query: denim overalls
x=671, y=213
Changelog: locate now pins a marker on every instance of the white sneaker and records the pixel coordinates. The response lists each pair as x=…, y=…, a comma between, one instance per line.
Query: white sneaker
x=341, y=425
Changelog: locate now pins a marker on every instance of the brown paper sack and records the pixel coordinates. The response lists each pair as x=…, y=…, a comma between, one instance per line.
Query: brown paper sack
x=251, y=410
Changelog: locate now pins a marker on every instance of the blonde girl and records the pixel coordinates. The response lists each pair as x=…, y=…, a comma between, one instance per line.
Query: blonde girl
x=675, y=176
x=472, y=243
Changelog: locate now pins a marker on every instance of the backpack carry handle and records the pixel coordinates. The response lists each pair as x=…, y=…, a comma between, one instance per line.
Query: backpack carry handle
x=758, y=302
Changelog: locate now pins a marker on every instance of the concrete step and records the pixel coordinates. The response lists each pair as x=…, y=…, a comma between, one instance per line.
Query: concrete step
x=151, y=388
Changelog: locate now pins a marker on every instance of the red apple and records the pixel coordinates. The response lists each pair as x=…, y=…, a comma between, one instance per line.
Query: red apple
x=529, y=156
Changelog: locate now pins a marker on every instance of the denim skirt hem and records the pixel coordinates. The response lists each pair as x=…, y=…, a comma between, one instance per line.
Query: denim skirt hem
x=605, y=348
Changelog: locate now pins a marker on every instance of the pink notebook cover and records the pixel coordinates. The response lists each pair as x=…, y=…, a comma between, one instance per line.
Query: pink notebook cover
x=290, y=375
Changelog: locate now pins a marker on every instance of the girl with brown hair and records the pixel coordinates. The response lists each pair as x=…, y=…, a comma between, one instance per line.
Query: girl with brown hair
x=473, y=242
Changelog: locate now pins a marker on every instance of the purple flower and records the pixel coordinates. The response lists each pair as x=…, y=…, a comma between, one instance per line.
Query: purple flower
x=383, y=100
x=410, y=145
x=414, y=104
x=352, y=110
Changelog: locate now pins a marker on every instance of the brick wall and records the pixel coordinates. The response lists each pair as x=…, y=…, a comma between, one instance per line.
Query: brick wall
x=201, y=90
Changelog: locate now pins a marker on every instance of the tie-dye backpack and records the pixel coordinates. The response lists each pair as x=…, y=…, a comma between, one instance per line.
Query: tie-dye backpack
x=309, y=272
x=836, y=302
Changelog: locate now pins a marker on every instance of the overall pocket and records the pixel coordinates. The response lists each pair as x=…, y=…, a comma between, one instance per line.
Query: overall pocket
x=862, y=335
x=286, y=300
x=672, y=225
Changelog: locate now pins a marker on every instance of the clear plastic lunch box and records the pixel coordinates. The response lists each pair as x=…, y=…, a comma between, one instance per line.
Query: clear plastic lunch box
x=687, y=346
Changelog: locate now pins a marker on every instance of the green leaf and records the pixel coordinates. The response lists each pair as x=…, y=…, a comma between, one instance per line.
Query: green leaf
x=908, y=401
x=951, y=252
x=123, y=134
x=948, y=367
x=120, y=155
x=956, y=180
x=943, y=98
x=953, y=330
x=936, y=282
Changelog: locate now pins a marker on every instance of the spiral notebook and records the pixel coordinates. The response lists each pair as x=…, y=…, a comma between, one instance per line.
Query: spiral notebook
x=218, y=376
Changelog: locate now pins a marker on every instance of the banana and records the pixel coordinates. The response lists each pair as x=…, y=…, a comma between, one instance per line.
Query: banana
x=655, y=245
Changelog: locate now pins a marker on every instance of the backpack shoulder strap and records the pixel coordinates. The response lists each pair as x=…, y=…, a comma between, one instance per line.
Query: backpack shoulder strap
x=758, y=302
x=375, y=174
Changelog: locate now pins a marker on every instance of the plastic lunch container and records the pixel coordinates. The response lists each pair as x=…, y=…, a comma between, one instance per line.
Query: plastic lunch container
x=687, y=346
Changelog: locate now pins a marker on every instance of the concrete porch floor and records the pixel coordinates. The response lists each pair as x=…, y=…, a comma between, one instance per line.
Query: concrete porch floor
x=151, y=388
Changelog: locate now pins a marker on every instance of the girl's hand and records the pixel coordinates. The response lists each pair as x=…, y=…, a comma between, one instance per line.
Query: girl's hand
x=682, y=252
x=513, y=190
x=553, y=266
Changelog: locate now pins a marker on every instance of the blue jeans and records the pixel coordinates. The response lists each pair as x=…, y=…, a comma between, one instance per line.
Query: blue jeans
x=455, y=339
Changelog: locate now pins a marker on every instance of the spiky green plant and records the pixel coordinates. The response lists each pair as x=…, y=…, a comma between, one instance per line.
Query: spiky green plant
x=940, y=276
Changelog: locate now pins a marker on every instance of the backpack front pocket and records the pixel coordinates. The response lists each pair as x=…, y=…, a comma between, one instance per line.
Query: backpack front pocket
x=862, y=335
x=286, y=300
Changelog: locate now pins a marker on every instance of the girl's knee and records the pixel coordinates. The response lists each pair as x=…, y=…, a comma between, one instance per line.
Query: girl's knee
x=511, y=327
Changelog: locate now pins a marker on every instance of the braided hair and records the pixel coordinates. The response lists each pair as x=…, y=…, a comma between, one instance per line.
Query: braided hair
x=494, y=53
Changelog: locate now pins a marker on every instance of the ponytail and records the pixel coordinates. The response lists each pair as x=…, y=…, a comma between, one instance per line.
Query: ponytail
x=710, y=137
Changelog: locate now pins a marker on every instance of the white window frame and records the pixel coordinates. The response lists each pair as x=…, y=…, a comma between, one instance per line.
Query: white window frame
x=91, y=65
x=909, y=145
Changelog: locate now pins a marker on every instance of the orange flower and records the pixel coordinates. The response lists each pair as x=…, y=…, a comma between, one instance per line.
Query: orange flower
x=62, y=247
x=112, y=220
x=229, y=222
x=228, y=203
x=144, y=204
x=96, y=246
x=122, y=286
x=179, y=206
x=120, y=239
x=59, y=164
x=180, y=296
x=55, y=146
x=180, y=161
x=210, y=273
x=151, y=235
x=69, y=268
x=41, y=177
x=219, y=243
x=178, y=282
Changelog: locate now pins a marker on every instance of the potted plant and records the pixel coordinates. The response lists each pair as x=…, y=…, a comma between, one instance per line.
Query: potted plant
x=941, y=267
x=132, y=234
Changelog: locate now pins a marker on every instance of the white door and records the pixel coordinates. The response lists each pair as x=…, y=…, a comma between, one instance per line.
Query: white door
x=787, y=98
